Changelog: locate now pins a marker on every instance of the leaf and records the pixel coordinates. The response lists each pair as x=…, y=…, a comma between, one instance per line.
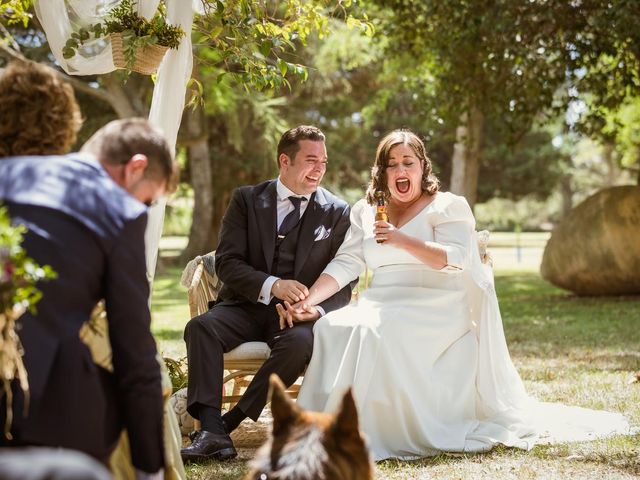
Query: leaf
x=216, y=31
x=282, y=65
x=265, y=48
x=68, y=52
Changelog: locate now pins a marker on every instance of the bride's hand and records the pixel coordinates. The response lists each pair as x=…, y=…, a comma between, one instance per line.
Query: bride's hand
x=386, y=233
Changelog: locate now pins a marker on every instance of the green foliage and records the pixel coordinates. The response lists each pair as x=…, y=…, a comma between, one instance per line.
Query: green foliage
x=123, y=18
x=629, y=132
x=252, y=41
x=619, y=126
x=19, y=274
x=504, y=215
x=137, y=32
x=498, y=57
x=15, y=11
x=178, y=212
x=531, y=166
x=605, y=58
x=177, y=370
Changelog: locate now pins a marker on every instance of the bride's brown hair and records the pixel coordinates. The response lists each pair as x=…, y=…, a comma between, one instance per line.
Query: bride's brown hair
x=430, y=182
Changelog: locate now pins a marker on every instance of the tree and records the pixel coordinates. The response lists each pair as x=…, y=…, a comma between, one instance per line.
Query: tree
x=240, y=47
x=248, y=54
x=481, y=60
x=605, y=72
x=507, y=60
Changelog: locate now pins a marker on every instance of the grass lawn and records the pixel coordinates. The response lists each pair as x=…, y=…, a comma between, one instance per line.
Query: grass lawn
x=579, y=351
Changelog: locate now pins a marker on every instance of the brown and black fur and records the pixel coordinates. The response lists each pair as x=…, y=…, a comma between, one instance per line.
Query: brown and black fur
x=309, y=445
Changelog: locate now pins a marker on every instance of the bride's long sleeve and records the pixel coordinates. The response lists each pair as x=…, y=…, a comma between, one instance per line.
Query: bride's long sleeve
x=349, y=261
x=454, y=230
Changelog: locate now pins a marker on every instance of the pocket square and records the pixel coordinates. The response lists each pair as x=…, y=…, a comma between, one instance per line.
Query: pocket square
x=321, y=233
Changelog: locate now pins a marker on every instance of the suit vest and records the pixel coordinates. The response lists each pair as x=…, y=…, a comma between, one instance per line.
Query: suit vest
x=284, y=255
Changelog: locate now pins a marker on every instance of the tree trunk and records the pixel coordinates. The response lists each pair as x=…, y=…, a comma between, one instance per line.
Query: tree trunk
x=200, y=234
x=638, y=162
x=613, y=171
x=466, y=156
x=119, y=99
x=567, y=195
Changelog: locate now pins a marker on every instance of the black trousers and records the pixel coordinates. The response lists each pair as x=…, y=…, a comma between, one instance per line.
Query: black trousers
x=223, y=328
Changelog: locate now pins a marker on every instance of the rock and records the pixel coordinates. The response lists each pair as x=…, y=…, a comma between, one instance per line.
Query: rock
x=596, y=249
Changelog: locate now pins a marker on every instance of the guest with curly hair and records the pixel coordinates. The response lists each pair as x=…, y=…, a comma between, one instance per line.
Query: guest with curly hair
x=39, y=114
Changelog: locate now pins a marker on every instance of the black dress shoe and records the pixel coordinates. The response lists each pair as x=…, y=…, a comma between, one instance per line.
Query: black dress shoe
x=208, y=446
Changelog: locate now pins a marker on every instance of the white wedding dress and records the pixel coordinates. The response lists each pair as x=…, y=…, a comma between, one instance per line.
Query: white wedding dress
x=424, y=350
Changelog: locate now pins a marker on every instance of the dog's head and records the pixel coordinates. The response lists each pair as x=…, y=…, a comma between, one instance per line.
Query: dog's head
x=309, y=445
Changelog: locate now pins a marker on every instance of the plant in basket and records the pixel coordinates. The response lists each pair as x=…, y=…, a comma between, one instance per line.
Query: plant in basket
x=19, y=275
x=137, y=44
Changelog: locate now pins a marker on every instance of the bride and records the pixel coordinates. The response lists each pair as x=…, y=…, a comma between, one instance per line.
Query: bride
x=423, y=348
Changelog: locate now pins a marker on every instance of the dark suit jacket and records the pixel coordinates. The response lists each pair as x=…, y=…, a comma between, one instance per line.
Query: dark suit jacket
x=247, y=242
x=92, y=233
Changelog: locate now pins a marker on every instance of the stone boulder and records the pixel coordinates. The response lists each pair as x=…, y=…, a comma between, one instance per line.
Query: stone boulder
x=596, y=249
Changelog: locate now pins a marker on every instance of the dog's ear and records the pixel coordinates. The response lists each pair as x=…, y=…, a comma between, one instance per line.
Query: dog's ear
x=283, y=409
x=346, y=421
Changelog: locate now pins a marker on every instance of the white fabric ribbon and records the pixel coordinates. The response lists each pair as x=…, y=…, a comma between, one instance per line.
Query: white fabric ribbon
x=59, y=18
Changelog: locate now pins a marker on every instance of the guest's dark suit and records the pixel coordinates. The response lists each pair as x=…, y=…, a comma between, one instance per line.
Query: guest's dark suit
x=92, y=233
x=246, y=256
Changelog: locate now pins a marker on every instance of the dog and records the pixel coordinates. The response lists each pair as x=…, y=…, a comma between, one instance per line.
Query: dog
x=310, y=445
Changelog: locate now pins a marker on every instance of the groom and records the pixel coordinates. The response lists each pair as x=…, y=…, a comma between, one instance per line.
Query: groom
x=276, y=239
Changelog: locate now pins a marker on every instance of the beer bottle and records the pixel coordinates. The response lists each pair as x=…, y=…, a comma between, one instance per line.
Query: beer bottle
x=381, y=210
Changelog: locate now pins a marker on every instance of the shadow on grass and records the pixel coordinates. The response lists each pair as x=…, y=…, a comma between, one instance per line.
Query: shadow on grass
x=542, y=319
x=620, y=453
x=446, y=458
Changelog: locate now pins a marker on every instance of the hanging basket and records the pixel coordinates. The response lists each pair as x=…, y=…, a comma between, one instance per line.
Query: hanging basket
x=147, y=59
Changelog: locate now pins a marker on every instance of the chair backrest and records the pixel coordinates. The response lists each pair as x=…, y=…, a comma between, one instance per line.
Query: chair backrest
x=199, y=276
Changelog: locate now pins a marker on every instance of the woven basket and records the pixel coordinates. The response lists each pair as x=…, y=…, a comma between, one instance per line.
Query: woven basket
x=147, y=58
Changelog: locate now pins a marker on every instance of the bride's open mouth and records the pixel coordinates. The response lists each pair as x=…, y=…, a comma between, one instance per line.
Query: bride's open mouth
x=403, y=185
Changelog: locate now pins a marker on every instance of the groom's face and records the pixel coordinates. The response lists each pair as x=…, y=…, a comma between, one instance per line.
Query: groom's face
x=303, y=173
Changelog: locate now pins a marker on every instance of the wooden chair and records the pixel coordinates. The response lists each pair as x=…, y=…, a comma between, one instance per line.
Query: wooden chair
x=243, y=361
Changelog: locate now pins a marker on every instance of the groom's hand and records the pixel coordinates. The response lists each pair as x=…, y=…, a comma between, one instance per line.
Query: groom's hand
x=297, y=313
x=290, y=291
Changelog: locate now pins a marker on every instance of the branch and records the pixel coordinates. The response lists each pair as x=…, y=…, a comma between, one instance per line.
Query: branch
x=13, y=54
x=9, y=38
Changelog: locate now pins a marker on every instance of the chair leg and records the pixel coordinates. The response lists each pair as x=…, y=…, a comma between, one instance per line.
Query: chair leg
x=236, y=390
x=224, y=396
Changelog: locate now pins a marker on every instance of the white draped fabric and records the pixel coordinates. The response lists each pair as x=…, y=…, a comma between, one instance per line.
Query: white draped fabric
x=424, y=350
x=59, y=18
